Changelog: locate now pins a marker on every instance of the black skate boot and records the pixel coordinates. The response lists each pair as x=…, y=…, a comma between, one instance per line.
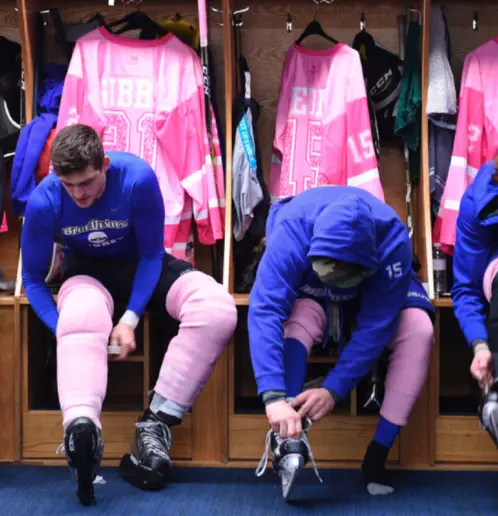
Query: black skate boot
x=148, y=466
x=374, y=471
x=488, y=411
x=289, y=456
x=84, y=447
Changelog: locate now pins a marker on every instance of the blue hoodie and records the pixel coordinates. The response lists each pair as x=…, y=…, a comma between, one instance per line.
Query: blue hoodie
x=339, y=222
x=475, y=246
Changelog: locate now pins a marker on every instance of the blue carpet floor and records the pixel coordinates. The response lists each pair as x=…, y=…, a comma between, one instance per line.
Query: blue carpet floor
x=204, y=492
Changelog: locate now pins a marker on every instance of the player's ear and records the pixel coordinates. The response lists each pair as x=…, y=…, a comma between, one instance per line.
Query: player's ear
x=107, y=162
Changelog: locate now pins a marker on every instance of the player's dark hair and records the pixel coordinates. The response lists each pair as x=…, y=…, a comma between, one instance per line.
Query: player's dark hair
x=76, y=148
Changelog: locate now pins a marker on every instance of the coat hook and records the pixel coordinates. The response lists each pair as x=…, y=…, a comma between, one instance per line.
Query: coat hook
x=475, y=21
x=363, y=24
x=418, y=13
x=289, y=22
x=217, y=11
x=237, y=17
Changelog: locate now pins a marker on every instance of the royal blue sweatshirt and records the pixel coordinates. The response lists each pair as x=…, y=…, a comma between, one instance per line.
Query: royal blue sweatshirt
x=343, y=223
x=126, y=222
x=476, y=244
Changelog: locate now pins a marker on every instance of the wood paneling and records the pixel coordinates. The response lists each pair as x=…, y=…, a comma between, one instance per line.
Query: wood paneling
x=334, y=438
x=265, y=44
x=461, y=440
x=43, y=434
x=459, y=15
x=9, y=406
x=209, y=419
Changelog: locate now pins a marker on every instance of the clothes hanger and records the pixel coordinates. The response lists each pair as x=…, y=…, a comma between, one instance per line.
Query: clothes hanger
x=314, y=28
x=137, y=20
x=97, y=17
x=363, y=38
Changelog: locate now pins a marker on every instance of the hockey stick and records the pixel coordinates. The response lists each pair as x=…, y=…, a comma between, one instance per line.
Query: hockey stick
x=203, y=36
x=203, y=33
x=402, y=20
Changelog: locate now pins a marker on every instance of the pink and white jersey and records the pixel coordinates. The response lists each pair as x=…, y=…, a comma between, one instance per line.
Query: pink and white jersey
x=146, y=97
x=323, y=133
x=476, y=139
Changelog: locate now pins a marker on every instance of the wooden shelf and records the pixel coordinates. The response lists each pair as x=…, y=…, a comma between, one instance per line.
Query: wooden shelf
x=23, y=299
x=443, y=302
x=241, y=299
x=7, y=300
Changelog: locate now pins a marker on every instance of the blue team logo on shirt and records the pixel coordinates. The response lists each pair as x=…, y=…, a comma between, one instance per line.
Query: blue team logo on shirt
x=96, y=233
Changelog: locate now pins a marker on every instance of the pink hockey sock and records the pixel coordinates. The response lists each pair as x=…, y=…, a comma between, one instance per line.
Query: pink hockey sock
x=208, y=317
x=85, y=324
x=306, y=323
x=489, y=276
x=408, y=365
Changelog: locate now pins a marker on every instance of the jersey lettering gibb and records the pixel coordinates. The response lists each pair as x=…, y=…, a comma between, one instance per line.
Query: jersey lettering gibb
x=146, y=97
x=476, y=138
x=323, y=129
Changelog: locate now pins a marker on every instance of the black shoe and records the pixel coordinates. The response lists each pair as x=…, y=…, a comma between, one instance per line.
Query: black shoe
x=84, y=447
x=289, y=456
x=374, y=471
x=147, y=468
x=488, y=413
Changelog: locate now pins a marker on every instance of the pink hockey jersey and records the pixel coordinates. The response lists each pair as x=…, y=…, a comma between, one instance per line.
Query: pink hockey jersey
x=476, y=138
x=146, y=97
x=323, y=133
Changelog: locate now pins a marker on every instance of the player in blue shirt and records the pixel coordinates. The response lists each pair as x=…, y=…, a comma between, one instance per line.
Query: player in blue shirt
x=475, y=287
x=108, y=212
x=339, y=248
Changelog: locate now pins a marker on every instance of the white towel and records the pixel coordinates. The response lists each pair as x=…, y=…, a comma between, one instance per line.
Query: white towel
x=441, y=97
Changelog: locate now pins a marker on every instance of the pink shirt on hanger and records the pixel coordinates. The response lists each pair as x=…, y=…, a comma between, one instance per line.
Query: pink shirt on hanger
x=323, y=133
x=146, y=97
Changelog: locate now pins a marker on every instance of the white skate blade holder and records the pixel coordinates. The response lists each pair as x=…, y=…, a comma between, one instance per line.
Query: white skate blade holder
x=114, y=350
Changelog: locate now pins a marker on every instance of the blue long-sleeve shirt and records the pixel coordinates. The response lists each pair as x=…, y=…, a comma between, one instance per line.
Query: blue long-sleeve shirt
x=476, y=245
x=126, y=222
x=343, y=223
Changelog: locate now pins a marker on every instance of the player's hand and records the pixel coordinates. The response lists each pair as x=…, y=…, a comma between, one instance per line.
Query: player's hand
x=284, y=419
x=314, y=403
x=123, y=335
x=481, y=367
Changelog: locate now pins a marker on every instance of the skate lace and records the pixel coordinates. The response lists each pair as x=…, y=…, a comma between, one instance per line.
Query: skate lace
x=263, y=463
x=154, y=436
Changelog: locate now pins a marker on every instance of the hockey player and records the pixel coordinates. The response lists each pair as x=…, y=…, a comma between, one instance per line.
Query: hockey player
x=109, y=213
x=336, y=244
x=475, y=288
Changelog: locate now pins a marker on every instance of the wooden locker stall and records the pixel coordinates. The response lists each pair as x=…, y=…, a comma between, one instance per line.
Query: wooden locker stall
x=129, y=381
x=9, y=353
x=457, y=440
x=343, y=436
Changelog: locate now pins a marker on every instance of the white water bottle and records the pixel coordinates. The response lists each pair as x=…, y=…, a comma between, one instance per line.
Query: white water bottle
x=439, y=266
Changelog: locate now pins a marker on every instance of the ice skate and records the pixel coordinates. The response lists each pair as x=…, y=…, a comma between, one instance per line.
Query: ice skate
x=147, y=467
x=289, y=456
x=488, y=412
x=84, y=447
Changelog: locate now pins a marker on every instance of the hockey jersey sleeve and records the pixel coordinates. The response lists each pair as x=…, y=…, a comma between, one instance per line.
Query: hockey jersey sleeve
x=37, y=241
x=468, y=153
x=472, y=252
x=281, y=125
x=182, y=132
x=279, y=277
x=71, y=105
x=362, y=168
